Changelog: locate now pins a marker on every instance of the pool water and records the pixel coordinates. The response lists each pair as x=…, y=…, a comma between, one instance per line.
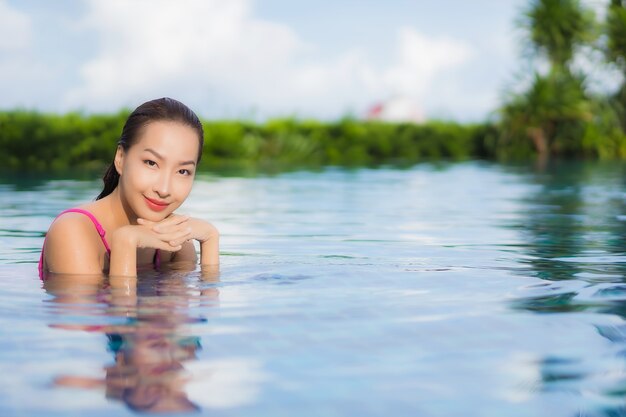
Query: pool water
x=447, y=289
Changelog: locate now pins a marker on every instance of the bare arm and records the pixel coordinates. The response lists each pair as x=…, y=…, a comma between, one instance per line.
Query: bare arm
x=186, y=254
x=210, y=248
x=123, y=254
x=127, y=239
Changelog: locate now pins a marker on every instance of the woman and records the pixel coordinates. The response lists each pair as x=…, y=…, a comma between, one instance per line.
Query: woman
x=132, y=222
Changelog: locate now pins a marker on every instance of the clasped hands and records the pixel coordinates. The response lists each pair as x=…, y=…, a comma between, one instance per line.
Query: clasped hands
x=170, y=233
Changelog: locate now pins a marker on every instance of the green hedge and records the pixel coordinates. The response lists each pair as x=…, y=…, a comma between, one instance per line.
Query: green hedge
x=47, y=142
x=41, y=142
x=35, y=141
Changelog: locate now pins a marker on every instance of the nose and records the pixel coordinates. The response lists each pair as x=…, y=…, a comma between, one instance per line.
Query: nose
x=162, y=185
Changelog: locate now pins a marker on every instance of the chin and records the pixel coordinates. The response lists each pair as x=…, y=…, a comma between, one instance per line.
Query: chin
x=157, y=217
x=153, y=216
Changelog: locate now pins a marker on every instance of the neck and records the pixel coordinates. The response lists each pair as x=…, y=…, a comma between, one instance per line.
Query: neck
x=122, y=214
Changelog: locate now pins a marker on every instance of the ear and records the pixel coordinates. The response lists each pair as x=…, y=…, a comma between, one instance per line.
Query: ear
x=119, y=159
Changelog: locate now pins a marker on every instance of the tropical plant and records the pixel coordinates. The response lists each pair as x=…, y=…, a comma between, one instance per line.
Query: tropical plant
x=616, y=34
x=557, y=28
x=616, y=52
x=553, y=112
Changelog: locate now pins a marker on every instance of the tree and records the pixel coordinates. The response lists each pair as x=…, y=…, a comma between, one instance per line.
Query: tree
x=557, y=28
x=615, y=29
x=554, y=109
x=552, y=113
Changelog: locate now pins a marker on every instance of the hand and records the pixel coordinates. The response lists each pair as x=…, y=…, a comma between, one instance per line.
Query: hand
x=203, y=232
x=169, y=234
x=198, y=229
x=209, y=238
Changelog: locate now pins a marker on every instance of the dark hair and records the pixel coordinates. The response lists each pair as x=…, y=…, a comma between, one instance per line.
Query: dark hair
x=162, y=109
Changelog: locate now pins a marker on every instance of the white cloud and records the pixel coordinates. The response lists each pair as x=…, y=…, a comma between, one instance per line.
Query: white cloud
x=420, y=59
x=22, y=77
x=218, y=56
x=200, y=50
x=15, y=28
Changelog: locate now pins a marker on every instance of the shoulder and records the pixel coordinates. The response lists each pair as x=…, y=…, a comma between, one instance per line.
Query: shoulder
x=73, y=245
x=71, y=222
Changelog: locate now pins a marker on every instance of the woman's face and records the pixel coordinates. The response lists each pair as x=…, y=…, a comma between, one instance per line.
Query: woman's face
x=157, y=172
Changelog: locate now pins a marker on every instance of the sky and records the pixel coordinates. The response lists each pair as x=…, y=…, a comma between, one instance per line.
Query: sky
x=255, y=59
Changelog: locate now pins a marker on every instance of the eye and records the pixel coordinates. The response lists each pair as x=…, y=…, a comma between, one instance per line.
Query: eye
x=184, y=172
x=149, y=162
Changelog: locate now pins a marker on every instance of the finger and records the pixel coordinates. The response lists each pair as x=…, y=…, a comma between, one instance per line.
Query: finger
x=178, y=242
x=169, y=223
x=171, y=228
x=164, y=245
x=145, y=222
x=167, y=247
x=175, y=233
x=178, y=235
x=175, y=218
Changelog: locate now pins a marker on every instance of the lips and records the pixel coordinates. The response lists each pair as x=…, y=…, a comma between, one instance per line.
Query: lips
x=156, y=205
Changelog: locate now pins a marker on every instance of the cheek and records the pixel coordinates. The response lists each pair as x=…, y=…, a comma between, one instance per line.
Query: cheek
x=137, y=178
x=183, y=188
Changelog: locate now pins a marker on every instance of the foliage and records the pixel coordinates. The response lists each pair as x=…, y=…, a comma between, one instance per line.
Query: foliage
x=556, y=28
x=557, y=115
x=35, y=141
x=552, y=113
x=615, y=29
x=30, y=140
x=616, y=34
x=603, y=137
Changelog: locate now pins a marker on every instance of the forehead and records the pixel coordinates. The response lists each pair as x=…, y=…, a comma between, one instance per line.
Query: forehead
x=170, y=139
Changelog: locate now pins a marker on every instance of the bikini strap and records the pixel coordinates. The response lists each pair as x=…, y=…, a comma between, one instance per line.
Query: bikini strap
x=95, y=222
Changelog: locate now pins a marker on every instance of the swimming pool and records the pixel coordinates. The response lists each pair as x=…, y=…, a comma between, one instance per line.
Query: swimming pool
x=447, y=289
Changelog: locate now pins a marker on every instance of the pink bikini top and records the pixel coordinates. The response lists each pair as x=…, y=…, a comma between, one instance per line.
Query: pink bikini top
x=157, y=256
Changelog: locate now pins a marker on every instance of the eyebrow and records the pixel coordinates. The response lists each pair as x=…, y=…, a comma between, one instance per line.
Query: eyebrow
x=155, y=153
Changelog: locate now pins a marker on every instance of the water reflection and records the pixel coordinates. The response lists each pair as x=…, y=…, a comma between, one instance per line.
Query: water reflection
x=147, y=326
x=576, y=209
x=574, y=230
x=574, y=223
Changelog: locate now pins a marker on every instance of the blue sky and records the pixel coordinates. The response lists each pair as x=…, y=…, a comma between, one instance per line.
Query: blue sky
x=258, y=59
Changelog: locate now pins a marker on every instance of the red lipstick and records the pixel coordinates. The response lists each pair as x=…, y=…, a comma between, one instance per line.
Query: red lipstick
x=156, y=205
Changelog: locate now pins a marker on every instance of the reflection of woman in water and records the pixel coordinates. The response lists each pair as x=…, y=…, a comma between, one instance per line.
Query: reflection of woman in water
x=148, y=372
x=133, y=222
x=150, y=350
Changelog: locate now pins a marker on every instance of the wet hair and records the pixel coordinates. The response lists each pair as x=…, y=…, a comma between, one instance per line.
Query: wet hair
x=162, y=109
